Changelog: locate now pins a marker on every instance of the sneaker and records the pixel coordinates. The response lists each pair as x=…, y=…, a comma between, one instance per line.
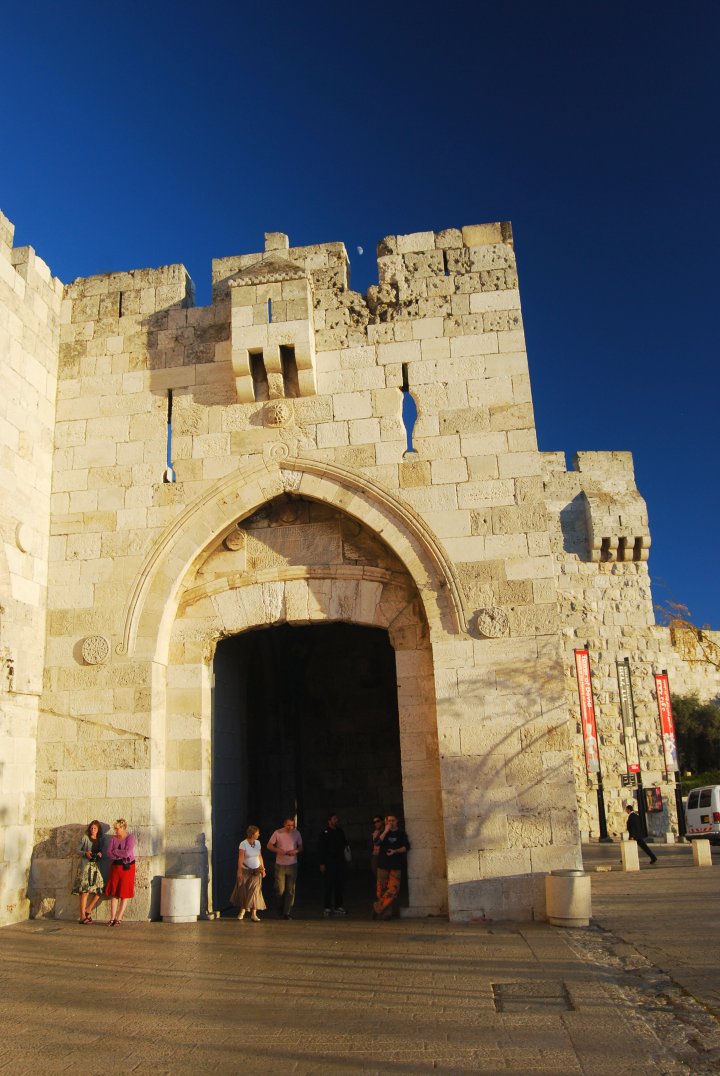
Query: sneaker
x=339, y=911
x=327, y=911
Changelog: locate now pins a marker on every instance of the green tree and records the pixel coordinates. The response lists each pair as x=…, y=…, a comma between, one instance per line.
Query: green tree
x=697, y=726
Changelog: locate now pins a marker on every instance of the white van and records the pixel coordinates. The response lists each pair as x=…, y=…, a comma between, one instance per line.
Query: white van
x=702, y=813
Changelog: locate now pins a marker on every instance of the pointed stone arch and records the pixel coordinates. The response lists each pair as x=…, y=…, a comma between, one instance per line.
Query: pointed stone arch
x=150, y=610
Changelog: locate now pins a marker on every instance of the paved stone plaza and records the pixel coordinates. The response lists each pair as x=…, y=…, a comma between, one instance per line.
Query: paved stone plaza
x=322, y=996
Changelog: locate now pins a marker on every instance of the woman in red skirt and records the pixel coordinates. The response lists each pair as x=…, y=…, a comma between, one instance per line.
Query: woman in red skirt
x=121, y=883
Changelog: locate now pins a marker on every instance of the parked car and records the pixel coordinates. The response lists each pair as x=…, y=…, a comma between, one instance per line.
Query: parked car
x=702, y=814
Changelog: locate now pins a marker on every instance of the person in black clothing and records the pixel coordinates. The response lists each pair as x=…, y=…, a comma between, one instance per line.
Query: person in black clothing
x=332, y=846
x=393, y=844
x=634, y=828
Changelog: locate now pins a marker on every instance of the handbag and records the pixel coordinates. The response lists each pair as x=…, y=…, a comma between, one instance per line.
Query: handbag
x=347, y=852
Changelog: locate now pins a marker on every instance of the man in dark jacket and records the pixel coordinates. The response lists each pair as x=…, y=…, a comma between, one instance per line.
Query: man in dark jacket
x=634, y=828
x=332, y=846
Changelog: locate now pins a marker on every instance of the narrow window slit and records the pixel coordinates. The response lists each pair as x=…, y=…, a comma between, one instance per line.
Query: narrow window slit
x=446, y=270
x=288, y=362
x=409, y=408
x=120, y=313
x=269, y=311
x=259, y=376
x=169, y=474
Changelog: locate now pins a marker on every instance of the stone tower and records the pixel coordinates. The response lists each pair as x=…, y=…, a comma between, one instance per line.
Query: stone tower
x=217, y=535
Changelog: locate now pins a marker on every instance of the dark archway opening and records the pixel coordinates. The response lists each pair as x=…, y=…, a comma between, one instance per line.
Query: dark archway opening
x=305, y=721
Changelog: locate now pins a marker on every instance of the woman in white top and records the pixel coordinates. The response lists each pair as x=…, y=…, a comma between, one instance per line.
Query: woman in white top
x=250, y=873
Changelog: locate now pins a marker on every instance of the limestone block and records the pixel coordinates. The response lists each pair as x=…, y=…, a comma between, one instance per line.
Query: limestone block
x=448, y=470
x=364, y=431
x=491, y=390
x=426, y=328
x=466, y=548
x=332, y=434
x=485, y=494
x=531, y=568
x=499, y=864
x=352, y=405
x=483, y=444
x=414, y=473
x=702, y=854
x=500, y=546
x=416, y=241
x=629, y=854
x=452, y=524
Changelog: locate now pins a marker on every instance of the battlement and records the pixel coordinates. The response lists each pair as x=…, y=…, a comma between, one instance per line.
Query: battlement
x=25, y=272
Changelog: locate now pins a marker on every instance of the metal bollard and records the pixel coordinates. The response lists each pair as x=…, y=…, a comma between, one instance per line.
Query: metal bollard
x=567, y=897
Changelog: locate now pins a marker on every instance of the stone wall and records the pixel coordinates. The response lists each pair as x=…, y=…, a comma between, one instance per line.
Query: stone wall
x=29, y=331
x=600, y=543
x=485, y=561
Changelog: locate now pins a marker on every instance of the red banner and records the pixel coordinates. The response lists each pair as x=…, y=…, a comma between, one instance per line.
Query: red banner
x=667, y=725
x=587, y=711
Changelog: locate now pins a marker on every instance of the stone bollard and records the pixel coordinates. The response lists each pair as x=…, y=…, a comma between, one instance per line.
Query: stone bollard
x=567, y=897
x=702, y=854
x=669, y=837
x=629, y=852
x=180, y=899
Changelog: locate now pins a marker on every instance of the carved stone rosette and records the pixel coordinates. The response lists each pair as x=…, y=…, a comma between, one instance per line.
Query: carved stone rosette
x=492, y=623
x=278, y=413
x=95, y=650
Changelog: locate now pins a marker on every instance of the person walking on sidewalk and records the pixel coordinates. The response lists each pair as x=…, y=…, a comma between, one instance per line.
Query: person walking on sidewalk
x=287, y=844
x=634, y=828
x=334, y=850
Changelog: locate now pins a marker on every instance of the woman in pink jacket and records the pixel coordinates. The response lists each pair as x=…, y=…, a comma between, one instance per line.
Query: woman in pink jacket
x=121, y=883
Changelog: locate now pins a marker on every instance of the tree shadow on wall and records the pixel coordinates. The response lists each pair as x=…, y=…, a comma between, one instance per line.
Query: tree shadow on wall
x=513, y=789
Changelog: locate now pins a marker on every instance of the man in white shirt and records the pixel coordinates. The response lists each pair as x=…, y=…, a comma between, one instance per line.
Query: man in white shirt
x=287, y=844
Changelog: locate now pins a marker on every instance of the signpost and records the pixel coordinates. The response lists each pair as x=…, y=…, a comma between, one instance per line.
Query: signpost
x=632, y=750
x=667, y=729
x=590, y=736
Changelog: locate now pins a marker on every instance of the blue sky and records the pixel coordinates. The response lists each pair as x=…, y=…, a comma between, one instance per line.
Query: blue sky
x=165, y=132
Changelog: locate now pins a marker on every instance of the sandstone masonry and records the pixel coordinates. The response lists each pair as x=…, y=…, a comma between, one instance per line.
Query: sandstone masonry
x=174, y=475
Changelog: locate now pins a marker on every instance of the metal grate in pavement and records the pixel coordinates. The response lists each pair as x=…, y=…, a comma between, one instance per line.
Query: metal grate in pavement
x=532, y=997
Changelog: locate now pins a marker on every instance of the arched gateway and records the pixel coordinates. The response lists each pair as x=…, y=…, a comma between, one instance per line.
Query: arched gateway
x=297, y=560
x=421, y=605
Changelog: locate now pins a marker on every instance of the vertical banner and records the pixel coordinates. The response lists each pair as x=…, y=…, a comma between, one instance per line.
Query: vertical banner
x=667, y=725
x=627, y=706
x=587, y=711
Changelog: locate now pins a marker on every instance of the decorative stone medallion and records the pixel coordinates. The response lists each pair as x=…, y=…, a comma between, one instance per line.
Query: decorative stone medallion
x=235, y=539
x=492, y=623
x=278, y=413
x=95, y=650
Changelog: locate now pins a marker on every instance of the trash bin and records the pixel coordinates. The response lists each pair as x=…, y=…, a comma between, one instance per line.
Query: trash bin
x=567, y=896
x=180, y=898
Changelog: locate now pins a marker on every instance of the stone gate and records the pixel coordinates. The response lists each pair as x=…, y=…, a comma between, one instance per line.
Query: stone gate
x=176, y=476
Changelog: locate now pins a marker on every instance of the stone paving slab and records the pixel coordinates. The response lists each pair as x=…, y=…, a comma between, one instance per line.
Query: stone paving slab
x=312, y=997
x=670, y=913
